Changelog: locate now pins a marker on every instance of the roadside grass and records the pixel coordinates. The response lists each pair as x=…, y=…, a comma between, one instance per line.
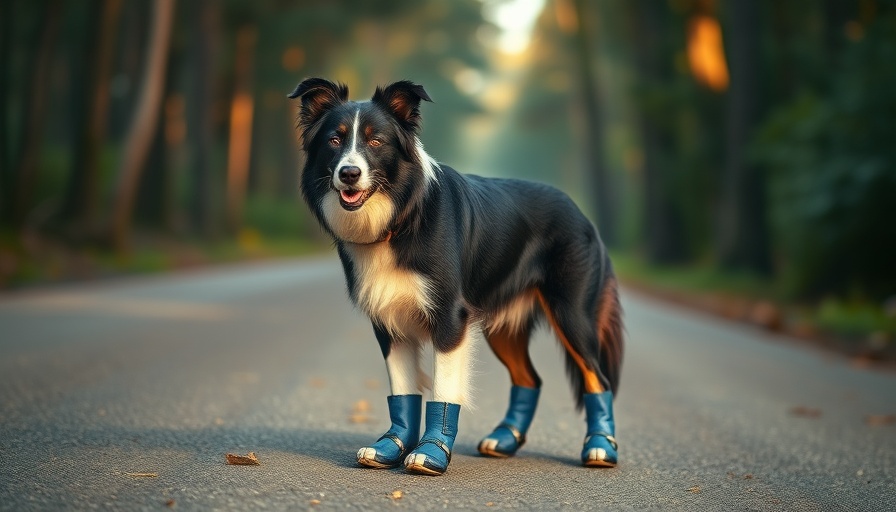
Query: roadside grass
x=22, y=266
x=693, y=278
x=856, y=322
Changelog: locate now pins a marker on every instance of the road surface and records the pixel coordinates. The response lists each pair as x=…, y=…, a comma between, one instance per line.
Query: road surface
x=127, y=394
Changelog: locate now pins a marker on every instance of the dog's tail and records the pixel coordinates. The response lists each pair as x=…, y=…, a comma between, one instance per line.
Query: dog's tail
x=592, y=344
x=610, y=331
x=607, y=354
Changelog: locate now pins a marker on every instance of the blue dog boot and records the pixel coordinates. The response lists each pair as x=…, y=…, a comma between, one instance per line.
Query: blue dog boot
x=510, y=435
x=390, y=449
x=600, y=444
x=433, y=453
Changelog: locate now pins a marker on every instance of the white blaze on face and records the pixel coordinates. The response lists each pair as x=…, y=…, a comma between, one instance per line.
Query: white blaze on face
x=353, y=158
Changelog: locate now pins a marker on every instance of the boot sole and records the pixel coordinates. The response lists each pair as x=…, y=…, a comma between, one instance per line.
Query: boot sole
x=492, y=453
x=421, y=470
x=370, y=463
x=599, y=464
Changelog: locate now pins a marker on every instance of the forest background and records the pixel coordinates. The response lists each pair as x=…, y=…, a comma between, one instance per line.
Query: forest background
x=739, y=155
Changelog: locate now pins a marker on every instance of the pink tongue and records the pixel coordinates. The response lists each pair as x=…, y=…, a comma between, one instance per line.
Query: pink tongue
x=350, y=197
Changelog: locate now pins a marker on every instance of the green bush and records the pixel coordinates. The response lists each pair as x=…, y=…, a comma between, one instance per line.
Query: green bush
x=831, y=157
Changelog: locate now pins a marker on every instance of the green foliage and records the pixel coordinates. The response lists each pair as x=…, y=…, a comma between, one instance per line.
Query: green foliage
x=832, y=175
x=825, y=144
x=855, y=318
x=694, y=277
x=277, y=217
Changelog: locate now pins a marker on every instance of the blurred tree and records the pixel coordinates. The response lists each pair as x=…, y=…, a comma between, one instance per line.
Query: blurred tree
x=91, y=110
x=36, y=100
x=540, y=131
x=143, y=125
x=831, y=157
x=128, y=65
x=202, y=94
x=7, y=14
x=663, y=229
x=241, y=112
x=587, y=65
x=742, y=239
x=155, y=205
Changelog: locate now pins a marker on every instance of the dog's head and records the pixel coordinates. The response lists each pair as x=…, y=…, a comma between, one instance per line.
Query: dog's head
x=364, y=159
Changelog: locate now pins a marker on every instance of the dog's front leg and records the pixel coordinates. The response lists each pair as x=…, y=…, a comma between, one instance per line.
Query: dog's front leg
x=403, y=366
x=454, y=346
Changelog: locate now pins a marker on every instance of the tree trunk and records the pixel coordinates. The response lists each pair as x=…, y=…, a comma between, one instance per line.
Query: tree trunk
x=241, y=112
x=155, y=203
x=663, y=223
x=743, y=231
x=7, y=13
x=35, y=114
x=143, y=125
x=133, y=34
x=598, y=175
x=201, y=97
x=82, y=192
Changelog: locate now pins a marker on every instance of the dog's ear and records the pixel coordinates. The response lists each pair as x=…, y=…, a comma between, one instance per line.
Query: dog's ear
x=403, y=100
x=318, y=97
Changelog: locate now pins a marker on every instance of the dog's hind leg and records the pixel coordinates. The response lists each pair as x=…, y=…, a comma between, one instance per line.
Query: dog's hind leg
x=402, y=365
x=512, y=349
x=577, y=330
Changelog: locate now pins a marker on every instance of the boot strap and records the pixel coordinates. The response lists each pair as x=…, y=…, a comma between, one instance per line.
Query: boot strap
x=437, y=442
x=394, y=439
x=519, y=436
x=607, y=435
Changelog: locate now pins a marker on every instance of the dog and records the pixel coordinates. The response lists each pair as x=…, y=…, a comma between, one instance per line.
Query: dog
x=432, y=255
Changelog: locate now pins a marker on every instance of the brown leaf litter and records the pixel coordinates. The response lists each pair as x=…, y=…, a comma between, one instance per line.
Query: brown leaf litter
x=879, y=420
x=805, y=412
x=250, y=459
x=360, y=412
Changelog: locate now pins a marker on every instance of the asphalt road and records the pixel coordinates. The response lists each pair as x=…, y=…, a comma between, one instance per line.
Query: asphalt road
x=163, y=375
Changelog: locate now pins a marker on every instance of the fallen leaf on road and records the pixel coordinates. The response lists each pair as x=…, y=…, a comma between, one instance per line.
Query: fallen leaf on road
x=242, y=460
x=805, y=412
x=170, y=503
x=748, y=476
x=766, y=314
x=359, y=418
x=244, y=378
x=695, y=489
x=877, y=420
x=143, y=475
x=396, y=494
x=315, y=502
x=360, y=412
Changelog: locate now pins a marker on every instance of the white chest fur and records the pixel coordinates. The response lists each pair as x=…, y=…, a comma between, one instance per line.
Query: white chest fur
x=396, y=298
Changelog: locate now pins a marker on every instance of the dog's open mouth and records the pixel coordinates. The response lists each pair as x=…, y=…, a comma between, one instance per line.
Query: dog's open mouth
x=352, y=199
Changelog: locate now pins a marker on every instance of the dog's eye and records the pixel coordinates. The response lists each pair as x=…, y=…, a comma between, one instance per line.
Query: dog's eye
x=374, y=143
x=335, y=141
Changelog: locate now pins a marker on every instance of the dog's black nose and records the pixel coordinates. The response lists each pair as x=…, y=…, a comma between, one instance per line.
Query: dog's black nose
x=349, y=174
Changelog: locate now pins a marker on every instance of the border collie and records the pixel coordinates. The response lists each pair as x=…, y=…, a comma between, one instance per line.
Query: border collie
x=432, y=255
